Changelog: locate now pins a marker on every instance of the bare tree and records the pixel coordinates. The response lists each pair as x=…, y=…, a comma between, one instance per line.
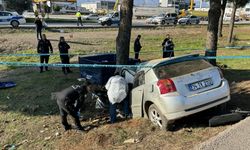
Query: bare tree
x=124, y=34
x=212, y=29
x=236, y=4
x=223, y=7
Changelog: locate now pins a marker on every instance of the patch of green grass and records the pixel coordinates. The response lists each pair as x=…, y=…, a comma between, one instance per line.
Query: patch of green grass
x=200, y=13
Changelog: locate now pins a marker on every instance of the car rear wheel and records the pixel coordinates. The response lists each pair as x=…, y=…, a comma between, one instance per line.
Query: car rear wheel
x=14, y=24
x=157, y=118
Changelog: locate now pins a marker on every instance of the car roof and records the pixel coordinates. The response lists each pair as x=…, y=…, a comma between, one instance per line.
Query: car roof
x=164, y=61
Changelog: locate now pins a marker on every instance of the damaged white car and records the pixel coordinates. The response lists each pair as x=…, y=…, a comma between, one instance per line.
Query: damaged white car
x=176, y=87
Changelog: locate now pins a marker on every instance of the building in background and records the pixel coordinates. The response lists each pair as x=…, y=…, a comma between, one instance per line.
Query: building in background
x=100, y=5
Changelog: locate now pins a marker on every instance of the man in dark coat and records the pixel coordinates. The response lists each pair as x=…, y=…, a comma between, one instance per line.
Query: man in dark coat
x=43, y=48
x=137, y=46
x=168, y=47
x=39, y=27
x=64, y=50
x=69, y=101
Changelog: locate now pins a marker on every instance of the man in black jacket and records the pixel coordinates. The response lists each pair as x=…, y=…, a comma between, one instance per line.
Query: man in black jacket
x=39, y=27
x=168, y=47
x=43, y=48
x=69, y=101
x=137, y=46
x=64, y=50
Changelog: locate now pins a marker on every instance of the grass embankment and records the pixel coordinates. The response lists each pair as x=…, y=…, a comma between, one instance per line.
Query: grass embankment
x=28, y=117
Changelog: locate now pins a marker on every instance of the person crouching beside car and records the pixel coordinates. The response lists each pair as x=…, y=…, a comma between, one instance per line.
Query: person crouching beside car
x=117, y=89
x=69, y=101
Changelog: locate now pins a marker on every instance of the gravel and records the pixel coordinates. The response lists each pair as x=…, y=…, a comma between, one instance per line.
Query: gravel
x=236, y=137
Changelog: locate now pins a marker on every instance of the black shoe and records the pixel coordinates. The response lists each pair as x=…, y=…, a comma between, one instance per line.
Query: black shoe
x=41, y=71
x=68, y=127
x=70, y=71
x=80, y=128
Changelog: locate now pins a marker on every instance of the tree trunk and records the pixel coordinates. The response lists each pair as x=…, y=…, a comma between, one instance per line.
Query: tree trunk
x=231, y=26
x=212, y=29
x=123, y=37
x=223, y=7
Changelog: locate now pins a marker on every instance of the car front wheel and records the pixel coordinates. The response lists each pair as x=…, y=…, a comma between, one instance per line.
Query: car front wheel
x=157, y=118
x=14, y=24
x=162, y=22
x=103, y=24
x=109, y=23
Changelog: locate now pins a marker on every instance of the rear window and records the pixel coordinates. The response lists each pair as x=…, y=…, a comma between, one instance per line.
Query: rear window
x=181, y=68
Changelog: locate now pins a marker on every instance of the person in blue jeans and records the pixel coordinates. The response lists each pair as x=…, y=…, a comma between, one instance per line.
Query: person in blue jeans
x=117, y=89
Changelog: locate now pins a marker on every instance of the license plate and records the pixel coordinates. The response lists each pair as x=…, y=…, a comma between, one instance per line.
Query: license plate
x=200, y=84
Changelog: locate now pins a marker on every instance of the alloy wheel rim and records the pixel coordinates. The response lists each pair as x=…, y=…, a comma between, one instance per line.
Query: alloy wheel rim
x=155, y=117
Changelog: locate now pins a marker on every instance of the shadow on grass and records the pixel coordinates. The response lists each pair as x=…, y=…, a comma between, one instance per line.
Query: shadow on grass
x=74, y=42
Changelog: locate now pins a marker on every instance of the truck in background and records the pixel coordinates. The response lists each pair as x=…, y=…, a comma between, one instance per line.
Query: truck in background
x=146, y=12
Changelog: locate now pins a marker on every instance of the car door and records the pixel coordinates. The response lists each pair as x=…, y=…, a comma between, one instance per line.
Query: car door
x=116, y=18
x=1, y=17
x=137, y=94
x=193, y=19
x=6, y=17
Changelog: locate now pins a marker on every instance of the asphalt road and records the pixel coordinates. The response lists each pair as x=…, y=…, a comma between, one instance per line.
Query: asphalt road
x=136, y=23
x=236, y=137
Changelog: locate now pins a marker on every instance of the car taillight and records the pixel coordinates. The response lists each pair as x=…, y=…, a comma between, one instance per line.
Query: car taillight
x=221, y=74
x=166, y=86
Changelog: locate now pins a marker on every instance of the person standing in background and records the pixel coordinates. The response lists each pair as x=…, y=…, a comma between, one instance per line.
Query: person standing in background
x=79, y=18
x=168, y=47
x=137, y=46
x=39, y=27
x=43, y=48
x=64, y=50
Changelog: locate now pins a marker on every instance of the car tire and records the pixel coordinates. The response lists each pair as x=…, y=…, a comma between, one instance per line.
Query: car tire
x=162, y=22
x=156, y=117
x=14, y=24
x=187, y=23
x=197, y=22
x=87, y=18
x=103, y=24
x=109, y=23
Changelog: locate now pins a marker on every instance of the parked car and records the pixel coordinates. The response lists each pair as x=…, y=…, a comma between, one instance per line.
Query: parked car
x=11, y=18
x=174, y=88
x=149, y=20
x=91, y=17
x=109, y=19
x=169, y=18
x=189, y=20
